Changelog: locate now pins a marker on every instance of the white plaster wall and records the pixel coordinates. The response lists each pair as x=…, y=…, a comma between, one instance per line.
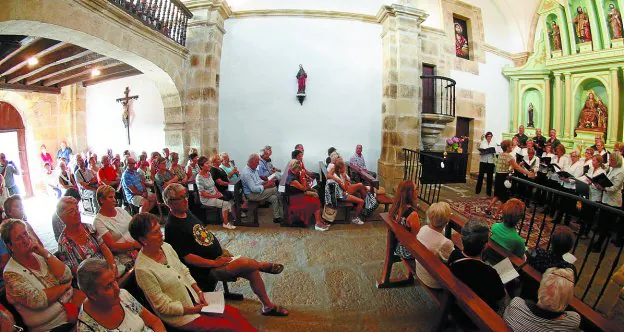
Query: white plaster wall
x=496, y=88
x=257, y=103
x=104, y=126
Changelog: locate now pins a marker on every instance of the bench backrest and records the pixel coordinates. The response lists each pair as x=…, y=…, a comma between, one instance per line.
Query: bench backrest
x=479, y=312
x=360, y=175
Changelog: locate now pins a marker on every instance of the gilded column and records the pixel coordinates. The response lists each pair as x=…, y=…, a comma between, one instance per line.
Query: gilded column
x=567, y=109
x=515, y=114
x=556, y=121
x=613, y=123
x=547, y=110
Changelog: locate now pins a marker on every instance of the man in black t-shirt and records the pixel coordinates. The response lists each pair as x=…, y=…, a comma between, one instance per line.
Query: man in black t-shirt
x=468, y=267
x=539, y=142
x=201, y=252
x=522, y=138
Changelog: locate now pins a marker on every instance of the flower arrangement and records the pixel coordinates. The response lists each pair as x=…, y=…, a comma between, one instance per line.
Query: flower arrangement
x=453, y=144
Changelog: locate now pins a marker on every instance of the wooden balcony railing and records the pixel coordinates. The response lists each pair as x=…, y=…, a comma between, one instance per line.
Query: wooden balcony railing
x=169, y=17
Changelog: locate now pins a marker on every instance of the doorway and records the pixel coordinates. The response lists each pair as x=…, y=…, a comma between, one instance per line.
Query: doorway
x=463, y=129
x=428, y=86
x=13, y=144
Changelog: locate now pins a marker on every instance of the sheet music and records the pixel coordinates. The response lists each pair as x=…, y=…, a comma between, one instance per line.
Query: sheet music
x=282, y=189
x=216, y=303
x=506, y=271
x=191, y=187
x=498, y=149
x=230, y=187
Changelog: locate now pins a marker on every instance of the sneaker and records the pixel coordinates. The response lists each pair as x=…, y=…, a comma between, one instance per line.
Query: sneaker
x=357, y=221
x=229, y=226
x=321, y=228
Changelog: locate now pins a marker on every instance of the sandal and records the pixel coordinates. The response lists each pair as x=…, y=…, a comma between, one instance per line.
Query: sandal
x=274, y=269
x=276, y=311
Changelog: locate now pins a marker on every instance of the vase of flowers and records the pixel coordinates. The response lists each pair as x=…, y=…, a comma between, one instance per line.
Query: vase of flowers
x=454, y=144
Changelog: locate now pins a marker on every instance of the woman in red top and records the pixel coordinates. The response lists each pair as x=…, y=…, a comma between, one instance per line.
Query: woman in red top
x=45, y=156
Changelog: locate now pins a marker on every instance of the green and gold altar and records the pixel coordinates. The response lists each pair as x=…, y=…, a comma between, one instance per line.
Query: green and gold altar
x=573, y=80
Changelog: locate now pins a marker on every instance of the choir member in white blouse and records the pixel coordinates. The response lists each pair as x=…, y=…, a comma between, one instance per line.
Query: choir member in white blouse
x=531, y=159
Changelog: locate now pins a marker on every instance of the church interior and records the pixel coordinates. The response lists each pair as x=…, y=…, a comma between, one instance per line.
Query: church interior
x=434, y=92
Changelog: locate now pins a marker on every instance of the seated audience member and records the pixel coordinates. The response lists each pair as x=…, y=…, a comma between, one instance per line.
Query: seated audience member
x=38, y=285
x=208, y=193
x=258, y=190
x=220, y=178
x=228, y=166
x=339, y=184
x=548, y=314
x=144, y=171
x=107, y=174
x=201, y=252
x=78, y=241
x=45, y=156
x=176, y=169
x=154, y=163
x=117, y=166
x=169, y=286
x=164, y=177
x=329, y=153
x=352, y=188
x=192, y=168
x=304, y=202
x=504, y=233
x=562, y=241
x=13, y=208
x=86, y=180
x=432, y=237
x=50, y=180
x=107, y=307
x=404, y=213
x=357, y=160
x=111, y=224
x=265, y=168
x=67, y=182
x=468, y=266
x=165, y=154
x=298, y=155
x=135, y=190
x=311, y=175
x=92, y=164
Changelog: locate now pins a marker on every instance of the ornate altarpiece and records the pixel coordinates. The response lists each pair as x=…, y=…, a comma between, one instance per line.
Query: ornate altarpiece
x=560, y=76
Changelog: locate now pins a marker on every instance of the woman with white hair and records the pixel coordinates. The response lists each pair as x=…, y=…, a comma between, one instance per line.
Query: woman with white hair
x=432, y=237
x=611, y=196
x=228, y=166
x=107, y=307
x=548, y=314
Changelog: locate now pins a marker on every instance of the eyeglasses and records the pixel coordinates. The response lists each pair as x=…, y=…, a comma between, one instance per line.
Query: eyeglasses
x=179, y=198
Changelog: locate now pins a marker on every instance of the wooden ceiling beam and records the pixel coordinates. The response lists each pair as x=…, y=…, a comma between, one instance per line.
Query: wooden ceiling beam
x=121, y=67
x=59, y=69
x=22, y=45
x=30, y=88
x=110, y=77
x=38, y=48
x=81, y=71
x=68, y=53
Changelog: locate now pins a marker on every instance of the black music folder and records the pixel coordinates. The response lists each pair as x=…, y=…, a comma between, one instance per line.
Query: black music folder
x=487, y=151
x=602, y=180
x=565, y=175
x=519, y=158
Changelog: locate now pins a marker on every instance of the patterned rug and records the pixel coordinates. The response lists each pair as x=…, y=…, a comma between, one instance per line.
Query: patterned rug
x=475, y=209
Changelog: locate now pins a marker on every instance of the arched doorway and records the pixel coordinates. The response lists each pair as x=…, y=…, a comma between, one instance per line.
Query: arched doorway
x=11, y=122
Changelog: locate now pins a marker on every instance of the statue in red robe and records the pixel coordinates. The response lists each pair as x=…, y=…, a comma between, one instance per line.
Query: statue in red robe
x=302, y=76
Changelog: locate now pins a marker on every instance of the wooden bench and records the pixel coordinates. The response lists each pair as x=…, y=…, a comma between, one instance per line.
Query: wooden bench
x=361, y=175
x=590, y=319
x=346, y=206
x=470, y=303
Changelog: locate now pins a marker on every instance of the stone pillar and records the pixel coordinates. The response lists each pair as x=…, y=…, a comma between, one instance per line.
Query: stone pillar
x=613, y=122
x=204, y=41
x=400, y=106
x=568, y=129
x=558, y=106
x=73, y=111
x=547, y=109
x=515, y=114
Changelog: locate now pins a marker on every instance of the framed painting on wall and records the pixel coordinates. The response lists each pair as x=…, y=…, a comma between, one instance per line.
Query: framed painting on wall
x=462, y=48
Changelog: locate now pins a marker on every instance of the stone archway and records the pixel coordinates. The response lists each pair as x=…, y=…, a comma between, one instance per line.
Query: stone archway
x=101, y=27
x=11, y=121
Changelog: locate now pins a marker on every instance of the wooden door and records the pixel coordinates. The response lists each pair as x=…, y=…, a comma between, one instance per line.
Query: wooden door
x=428, y=86
x=463, y=129
x=11, y=120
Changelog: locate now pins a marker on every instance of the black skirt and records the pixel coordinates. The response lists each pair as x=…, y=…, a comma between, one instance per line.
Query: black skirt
x=500, y=191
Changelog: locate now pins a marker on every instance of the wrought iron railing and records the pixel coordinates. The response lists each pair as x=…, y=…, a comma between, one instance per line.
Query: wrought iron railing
x=438, y=95
x=594, y=268
x=169, y=17
x=421, y=167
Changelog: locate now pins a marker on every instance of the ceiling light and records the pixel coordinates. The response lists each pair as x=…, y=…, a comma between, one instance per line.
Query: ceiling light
x=95, y=72
x=33, y=61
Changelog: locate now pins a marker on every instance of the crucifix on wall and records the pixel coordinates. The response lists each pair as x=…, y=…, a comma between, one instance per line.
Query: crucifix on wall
x=125, y=117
